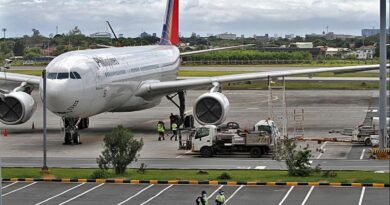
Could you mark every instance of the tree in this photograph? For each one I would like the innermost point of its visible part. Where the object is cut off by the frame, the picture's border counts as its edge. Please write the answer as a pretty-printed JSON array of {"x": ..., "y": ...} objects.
[
  {"x": 35, "y": 32},
  {"x": 120, "y": 149},
  {"x": 297, "y": 161}
]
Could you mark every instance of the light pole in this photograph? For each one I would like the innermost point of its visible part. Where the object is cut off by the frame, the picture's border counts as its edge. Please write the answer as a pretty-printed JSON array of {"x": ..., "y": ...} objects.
[
  {"x": 4, "y": 30},
  {"x": 382, "y": 78},
  {"x": 45, "y": 169}
]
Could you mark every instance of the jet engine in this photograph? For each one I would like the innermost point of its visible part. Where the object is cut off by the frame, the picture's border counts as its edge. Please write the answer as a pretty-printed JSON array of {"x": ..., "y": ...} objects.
[
  {"x": 211, "y": 108},
  {"x": 16, "y": 107}
]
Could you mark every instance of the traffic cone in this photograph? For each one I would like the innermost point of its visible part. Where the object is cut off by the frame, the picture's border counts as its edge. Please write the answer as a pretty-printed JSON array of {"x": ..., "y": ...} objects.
[
  {"x": 33, "y": 126},
  {"x": 5, "y": 133}
]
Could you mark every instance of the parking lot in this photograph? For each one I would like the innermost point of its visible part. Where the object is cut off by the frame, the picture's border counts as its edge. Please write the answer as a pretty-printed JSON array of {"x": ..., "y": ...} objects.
[{"x": 93, "y": 193}]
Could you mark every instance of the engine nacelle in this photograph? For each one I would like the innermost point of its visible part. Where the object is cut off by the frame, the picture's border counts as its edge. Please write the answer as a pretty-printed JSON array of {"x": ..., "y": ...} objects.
[
  {"x": 211, "y": 108},
  {"x": 16, "y": 108}
]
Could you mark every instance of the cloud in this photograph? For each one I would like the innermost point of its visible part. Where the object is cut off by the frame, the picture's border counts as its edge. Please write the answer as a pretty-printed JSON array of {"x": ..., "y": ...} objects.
[{"x": 132, "y": 17}]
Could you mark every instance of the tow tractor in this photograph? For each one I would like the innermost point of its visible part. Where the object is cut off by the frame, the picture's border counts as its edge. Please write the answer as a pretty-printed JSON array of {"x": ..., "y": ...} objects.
[{"x": 210, "y": 139}]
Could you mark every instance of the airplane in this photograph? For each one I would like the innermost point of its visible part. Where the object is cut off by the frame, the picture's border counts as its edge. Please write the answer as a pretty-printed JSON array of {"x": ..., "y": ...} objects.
[{"x": 81, "y": 84}]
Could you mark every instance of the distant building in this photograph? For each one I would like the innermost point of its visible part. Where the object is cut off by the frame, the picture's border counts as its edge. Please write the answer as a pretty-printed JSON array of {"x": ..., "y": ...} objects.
[
  {"x": 363, "y": 53},
  {"x": 372, "y": 32},
  {"x": 331, "y": 36},
  {"x": 227, "y": 36},
  {"x": 101, "y": 35},
  {"x": 261, "y": 38},
  {"x": 121, "y": 35},
  {"x": 154, "y": 35},
  {"x": 302, "y": 45},
  {"x": 144, "y": 35},
  {"x": 289, "y": 36}
]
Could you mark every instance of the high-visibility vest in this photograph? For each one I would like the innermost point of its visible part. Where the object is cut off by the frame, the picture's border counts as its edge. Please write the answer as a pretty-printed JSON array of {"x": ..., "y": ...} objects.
[
  {"x": 220, "y": 198},
  {"x": 174, "y": 126},
  {"x": 160, "y": 127}
]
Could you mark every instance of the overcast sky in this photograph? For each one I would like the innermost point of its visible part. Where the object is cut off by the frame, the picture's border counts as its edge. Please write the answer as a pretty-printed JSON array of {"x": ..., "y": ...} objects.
[{"x": 248, "y": 17}]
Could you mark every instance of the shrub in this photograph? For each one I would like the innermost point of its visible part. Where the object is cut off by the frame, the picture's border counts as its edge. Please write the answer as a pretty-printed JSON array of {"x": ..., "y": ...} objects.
[
  {"x": 297, "y": 161},
  {"x": 120, "y": 149},
  {"x": 224, "y": 176},
  {"x": 100, "y": 174}
]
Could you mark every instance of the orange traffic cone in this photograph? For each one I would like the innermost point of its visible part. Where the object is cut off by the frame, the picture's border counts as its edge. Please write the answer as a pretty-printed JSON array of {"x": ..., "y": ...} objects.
[{"x": 5, "y": 133}]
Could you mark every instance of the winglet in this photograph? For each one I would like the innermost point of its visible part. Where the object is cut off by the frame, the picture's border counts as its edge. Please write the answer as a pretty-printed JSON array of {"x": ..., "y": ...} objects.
[{"x": 170, "y": 32}]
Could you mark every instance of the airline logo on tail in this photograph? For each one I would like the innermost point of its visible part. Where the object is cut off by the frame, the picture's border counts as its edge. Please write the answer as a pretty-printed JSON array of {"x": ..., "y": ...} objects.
[{"x": 170, "y": 33}]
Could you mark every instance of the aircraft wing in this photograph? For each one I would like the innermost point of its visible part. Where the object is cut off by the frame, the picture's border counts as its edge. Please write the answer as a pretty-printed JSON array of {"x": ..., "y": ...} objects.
[
  {"x": 34, "y": 80},
  {"x": 214, "y": 49},
  {"x": 153, "y": 89}
]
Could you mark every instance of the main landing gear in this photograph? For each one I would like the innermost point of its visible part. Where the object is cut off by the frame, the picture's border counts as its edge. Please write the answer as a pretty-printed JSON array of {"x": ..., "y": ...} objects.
[
  {"x": 72, "y": 125},
  {"x": 182, "y": 119}
]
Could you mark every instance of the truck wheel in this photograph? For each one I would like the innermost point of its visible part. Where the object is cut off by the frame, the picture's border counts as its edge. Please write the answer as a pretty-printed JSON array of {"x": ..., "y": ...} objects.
[
  {"x": 255, "y": 152},
  {"x": 367, "y": 142},
  {"x": 206, "y": 152}
]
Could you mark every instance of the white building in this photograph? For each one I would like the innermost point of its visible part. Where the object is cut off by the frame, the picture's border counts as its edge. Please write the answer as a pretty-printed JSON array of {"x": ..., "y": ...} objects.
[
  {"x": 227, "y": 36},
  {"x": 101, "y": 35},
  {"x": 303, "y": 44}
]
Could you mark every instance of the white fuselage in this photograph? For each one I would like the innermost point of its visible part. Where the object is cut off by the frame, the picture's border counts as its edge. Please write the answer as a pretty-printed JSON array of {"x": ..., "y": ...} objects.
[{"x": 89, "y": 82}]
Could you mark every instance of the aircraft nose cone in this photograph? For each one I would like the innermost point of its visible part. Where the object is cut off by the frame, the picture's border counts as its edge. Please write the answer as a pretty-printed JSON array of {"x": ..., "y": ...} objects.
[{"x": 59, "y": 97}]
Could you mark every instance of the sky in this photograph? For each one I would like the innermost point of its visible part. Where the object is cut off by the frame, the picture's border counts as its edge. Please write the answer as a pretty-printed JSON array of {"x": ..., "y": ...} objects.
[{"x": 248, "y": 17}]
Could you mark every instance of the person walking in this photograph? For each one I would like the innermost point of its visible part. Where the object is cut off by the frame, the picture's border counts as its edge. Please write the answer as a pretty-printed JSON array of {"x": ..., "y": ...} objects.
[
  {"x": 220, "y": 199},
  {"x": 160, "y": 130},
  {"x": 174, "y": 131},
  {"x": 202, "y": 199}
]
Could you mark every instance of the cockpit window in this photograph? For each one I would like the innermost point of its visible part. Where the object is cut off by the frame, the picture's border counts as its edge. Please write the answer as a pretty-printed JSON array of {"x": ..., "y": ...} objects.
[
  {"x": 77, "y": 75},
  {"x": 63, "y": 76},
  {"x": 52, "y": 75},
  {"x": 72, "y": 75}
]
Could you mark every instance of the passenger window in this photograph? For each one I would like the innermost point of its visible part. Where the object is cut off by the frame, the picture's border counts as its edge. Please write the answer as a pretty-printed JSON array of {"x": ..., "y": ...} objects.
[
  {"x": 51, "y": 75},
  {"x": 202, "y": 132},
  {"x": 63, "y": 76}
]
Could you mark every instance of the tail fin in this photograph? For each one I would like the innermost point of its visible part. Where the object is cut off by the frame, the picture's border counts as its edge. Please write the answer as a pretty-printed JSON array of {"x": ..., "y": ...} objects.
[{"x": 170, "y": 33}]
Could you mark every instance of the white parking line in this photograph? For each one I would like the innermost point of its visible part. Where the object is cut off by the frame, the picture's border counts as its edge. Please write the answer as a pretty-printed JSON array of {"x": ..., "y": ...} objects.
[
  {"x": 9, "y": 185},
  {"x": 307, "y": 195},
  {"x": 138, "y": 193},
  {"x": 362, "y": 195},
  {"x": 158, "y": 194},
  {"x": 234, "y": 193},
  {"x": 189, "y": 151},
  {"x": 89, "y": 190},
  {"x": 285, "y": 196},
  {"x": 211, "y": 195},
  {"x": 362, "y": 155},
  {"x": 55, "y": 196},
  {"x": 322, "y": 150},
  {"x": 18, "y": 189}
]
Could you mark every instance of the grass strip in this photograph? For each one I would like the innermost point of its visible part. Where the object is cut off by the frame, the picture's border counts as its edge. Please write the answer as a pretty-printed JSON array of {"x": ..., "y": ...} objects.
[{"x": 177, "y": 174}]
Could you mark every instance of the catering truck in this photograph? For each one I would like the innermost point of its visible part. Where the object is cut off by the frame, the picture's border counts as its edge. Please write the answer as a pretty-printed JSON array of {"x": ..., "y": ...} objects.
[{"x": 210, "y": 139}]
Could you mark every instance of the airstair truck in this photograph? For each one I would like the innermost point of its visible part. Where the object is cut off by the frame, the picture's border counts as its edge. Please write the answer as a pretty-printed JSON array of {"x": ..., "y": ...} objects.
[{"x": 209, "y": 140}]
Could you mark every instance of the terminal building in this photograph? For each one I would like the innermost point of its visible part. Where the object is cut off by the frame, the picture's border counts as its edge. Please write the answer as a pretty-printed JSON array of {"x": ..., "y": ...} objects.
[{"x": 100, "y": 35}]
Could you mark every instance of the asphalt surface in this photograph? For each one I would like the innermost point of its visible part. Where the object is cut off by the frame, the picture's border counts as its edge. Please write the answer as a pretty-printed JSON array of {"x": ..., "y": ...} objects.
[
  {"x": 324, "y": 110},
  {"x": 91, "y": 193}
]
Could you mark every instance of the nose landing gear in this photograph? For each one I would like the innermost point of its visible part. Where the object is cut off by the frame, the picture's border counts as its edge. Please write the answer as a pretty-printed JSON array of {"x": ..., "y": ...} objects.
[{"x": 71, "y": 127}]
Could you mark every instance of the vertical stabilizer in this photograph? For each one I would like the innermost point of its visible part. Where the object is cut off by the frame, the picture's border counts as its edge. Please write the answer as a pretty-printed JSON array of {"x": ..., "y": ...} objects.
[{"x": 170, "y": 33}]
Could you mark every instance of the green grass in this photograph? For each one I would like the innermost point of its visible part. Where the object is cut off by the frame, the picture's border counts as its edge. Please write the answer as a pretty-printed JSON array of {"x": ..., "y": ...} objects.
[
  {"x": 201, "y": 73},
  {"x": 305, "y": 86},
  {"x": 174, "y": 174},
  {"x": 27, "y": 72}
]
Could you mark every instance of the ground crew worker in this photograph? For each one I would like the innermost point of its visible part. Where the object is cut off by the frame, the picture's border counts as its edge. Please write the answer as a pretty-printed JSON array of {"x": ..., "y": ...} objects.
[
  {"x": 160, "y": 130},
  {"x": 220, "y": 199},
  {"x": 202, "y": 199},
  {"x": 174, "y": 131}
]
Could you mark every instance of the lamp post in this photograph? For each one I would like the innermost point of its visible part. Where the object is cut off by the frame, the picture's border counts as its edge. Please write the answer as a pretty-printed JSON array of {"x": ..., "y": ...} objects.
[
  {"x": 45, "y": 169},
  {"x": 382, "y": 78},
  {"x": 4, "y": 30}
]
